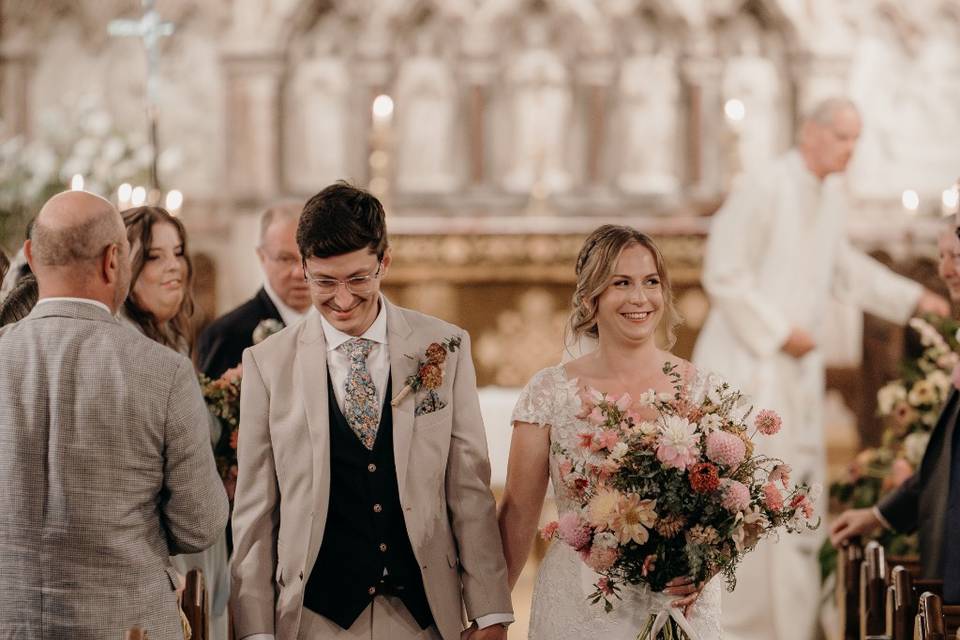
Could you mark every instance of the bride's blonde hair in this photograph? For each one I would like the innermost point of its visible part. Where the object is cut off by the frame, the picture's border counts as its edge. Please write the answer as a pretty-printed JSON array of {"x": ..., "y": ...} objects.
[{"x": 595, "y": 264}]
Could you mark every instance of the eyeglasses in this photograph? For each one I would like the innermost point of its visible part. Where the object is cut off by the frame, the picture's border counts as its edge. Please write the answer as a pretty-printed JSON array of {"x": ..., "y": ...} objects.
[
  {"x": 285, "y": 260},
  {"x": 355, "y": 284}
]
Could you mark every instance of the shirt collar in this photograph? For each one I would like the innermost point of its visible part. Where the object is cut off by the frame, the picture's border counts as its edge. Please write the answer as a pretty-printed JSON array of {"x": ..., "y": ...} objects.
[
  {"x": 289, "y": 315},
  {"x": 377, "y": 332},
  {"x": 95, "y": 303}
]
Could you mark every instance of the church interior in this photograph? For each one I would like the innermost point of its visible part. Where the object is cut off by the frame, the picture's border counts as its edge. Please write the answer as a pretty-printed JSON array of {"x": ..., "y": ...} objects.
[{"x": 498, "y": 134}]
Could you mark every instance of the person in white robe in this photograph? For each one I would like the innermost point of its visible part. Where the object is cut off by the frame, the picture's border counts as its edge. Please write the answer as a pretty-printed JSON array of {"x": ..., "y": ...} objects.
[{"x": 776, "y": 252}]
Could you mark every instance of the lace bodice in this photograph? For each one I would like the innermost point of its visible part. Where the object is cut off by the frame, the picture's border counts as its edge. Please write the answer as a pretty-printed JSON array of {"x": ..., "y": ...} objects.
[{"x": 560, "y": 607}]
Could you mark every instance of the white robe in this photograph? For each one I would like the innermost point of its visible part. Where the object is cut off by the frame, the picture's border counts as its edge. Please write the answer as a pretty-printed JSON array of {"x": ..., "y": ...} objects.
[{"x": 777, "y": 251}]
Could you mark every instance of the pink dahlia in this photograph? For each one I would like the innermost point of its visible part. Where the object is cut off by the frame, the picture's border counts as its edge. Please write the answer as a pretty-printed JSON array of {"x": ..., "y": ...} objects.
[
  {"x": 573, "y": 531},
  {"x": 768, "y": 422},
  {"x": 772, "y": 497},
  {"x": 601, "y": 558},
  {"x": 549, "y": 530},
  {"x": 678, "y": 444},
  {"x": 725, "y": 448},
  {"x": 736, "y": 495}
]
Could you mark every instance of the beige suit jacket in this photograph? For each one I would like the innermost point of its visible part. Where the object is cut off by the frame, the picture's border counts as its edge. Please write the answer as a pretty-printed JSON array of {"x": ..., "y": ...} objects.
[{"x": 443, "y": 475}]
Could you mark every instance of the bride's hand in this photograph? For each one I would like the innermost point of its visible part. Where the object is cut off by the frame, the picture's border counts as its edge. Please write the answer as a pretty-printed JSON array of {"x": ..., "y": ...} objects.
[{"x": 686, "y": 588}]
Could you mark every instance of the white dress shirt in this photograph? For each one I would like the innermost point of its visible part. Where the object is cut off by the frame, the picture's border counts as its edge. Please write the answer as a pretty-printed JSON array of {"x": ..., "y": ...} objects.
[{"x": 289, "y": 315}]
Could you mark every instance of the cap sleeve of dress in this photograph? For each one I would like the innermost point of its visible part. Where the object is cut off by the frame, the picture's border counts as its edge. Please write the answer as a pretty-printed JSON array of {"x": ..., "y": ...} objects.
[{"x": 540, "y": 399}]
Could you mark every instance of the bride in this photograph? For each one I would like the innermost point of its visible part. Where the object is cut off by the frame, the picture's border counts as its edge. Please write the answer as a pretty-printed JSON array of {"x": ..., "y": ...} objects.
[{"x": 623, "y": 295}]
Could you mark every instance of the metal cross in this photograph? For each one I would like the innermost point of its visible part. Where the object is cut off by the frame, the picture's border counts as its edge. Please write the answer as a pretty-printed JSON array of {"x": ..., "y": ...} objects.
[{"x": 149, "y": 28}]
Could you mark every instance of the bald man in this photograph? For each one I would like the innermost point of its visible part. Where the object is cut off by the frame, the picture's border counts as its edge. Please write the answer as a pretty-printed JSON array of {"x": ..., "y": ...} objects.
[
  {"x": 105, "y": 462},
  {"x": 776, "y": 254}
]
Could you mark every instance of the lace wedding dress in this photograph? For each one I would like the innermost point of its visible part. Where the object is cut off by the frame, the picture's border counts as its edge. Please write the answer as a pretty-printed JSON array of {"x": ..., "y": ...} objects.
[{"x": 560, "y": 608}]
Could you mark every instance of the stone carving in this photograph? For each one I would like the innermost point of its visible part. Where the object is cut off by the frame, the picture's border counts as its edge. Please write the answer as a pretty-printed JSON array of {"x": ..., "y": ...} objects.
[
  {"x": 426, "y": 115},
  {"x": 649, "y": 91},
  {"x": 541, "y": 115},
  {"x": 317, "y": 124}
]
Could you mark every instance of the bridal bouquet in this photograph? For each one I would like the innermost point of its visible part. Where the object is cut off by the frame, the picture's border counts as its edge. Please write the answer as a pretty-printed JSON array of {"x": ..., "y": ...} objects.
[
  {"x": 223, "y": 401},
  {"x": 679, "y": 495}
]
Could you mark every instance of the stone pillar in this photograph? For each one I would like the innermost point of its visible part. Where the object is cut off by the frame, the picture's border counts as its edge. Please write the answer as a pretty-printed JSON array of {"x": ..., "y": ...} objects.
[
  {"x": 16, "y": 67},
  {"x": 253, "y": 82},
  {"x": 478, "y": 75},
  {"x": 595, "y": 75},
  {"x": 705, "y": 126}
]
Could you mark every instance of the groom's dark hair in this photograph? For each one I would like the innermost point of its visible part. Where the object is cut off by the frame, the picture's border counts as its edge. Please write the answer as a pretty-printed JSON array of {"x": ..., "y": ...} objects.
[{"x": 341, "y": 219}]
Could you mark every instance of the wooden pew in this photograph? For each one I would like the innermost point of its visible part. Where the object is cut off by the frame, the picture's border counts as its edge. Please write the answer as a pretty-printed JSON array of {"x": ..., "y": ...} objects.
[
  {"x": 195, "y": 606},
  {"x": 903, "y": 599},
  {"x": 848, "y": 589},
  {"x": 935, "y": 620},
  {"x": 873, "y": 591}
]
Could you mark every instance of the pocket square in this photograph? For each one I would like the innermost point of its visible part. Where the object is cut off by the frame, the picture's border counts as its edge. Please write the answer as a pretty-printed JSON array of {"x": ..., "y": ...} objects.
[{"x": 429, "y": 403}]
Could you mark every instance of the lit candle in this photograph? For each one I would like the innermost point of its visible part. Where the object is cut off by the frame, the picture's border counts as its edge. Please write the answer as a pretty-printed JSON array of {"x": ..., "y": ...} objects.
[
  {"x": 911, "y": 201},
  {"x": 138, "y": 196},
  {"x": 76, "y": 182},
  {"x": 174, "y": 201},
  {"x": 124, "y": 192},
  {"x": 735, "y": 111},
  {"x": 950, "y": 202},
  {"x": 382, "y": 110}
]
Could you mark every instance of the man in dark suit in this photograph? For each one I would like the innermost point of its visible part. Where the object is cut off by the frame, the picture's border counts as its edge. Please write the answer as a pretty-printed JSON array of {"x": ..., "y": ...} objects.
[
  {"x": 928, "y": 501},
  {"x": 284, "y": 296}
]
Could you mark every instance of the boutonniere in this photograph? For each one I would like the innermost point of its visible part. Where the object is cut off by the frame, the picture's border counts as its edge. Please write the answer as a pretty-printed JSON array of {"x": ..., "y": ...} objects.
[
  {"x": 429, "y": 374},
  {"x": 265, "y": 329}
]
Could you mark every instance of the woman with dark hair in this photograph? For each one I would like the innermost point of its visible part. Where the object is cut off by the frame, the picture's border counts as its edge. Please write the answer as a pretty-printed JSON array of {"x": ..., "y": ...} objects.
[
  {"x": 160, "y": 305},
  {"x": 623, "y": 307}
]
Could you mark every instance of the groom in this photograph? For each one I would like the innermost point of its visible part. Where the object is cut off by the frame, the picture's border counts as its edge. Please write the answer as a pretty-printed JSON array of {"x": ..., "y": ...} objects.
[{"x": 355, "y": 518}]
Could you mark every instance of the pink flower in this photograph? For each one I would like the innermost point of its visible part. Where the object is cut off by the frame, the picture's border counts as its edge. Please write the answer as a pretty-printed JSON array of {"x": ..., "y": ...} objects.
[
  {"x": 802, "y": 503},
  {"x": 605, "y": 440},
  {"x": 768, "y": 422},
  {"x": 586, "y": 439},
  {"x": 677, "y": 446},
  {"x": 735, "y": 495},
  {"x": 725, "y": 448},
  {"x": 900, "y": 470},
  {"x": 624, "y": 402},
  {"x": 596, "y": 417},
  {"x": 601, "y": 558},
  {"x": 771, "y": 497},
  {"x": 649, "y": 563},
  {"x": 781, "y": 474},
  {"x": 603, "y": 584},
  {"x": 573, "y": 531},
  {"x": 549, "y": 530},
  {"x": 565, "y": 467}
]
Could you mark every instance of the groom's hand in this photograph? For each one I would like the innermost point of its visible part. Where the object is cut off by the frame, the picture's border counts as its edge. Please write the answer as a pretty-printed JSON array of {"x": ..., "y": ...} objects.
[{"x": 493, "y": 632}]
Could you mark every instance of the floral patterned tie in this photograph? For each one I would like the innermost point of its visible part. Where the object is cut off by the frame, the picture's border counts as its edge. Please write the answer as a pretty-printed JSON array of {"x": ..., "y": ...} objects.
[{"x": 360, "y": 402}]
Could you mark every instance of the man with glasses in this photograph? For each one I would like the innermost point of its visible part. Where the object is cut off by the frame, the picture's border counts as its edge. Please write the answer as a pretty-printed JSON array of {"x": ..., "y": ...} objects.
[
  {"x": 284, "y": 296},
  {"x": 362, "y": 512}
]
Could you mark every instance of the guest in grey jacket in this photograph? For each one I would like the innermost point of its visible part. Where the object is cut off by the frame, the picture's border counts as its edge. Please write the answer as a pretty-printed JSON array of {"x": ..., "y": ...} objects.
[{"x": 105, "y": 462}]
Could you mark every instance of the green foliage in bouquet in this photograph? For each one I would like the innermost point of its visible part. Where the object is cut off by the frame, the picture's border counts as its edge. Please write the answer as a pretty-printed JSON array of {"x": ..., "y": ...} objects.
[{"x": 909, "y": 407}]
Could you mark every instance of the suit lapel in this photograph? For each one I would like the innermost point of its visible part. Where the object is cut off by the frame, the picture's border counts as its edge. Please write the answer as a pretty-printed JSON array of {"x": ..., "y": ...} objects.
[
  {"x": 312, "y": 383},
  {"x": 400, "y": 345}
]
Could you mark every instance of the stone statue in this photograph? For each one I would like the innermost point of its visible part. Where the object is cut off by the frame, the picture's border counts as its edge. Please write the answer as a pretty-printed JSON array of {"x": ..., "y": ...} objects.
[
  {"x": 753, "y": 79},
  {"x": 426, "y": 112},
  {"x": 541, "y": 116},
  {"x": 649, "y": 91},
  {"x": 317, "y": 125}
]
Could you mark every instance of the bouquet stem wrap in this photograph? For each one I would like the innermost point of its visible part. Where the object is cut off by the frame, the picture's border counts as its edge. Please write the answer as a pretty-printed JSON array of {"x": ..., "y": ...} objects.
[{"x": 665, "y": 618}]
